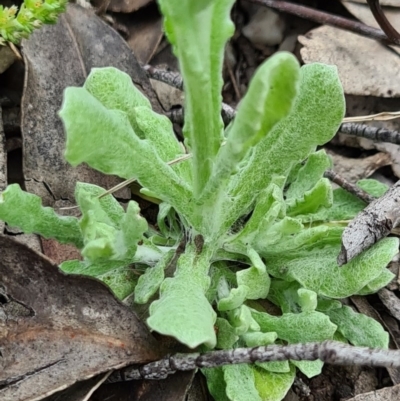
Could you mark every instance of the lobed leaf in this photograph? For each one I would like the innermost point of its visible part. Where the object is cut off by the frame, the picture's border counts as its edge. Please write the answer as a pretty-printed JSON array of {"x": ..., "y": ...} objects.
[
  {"x": 106, "y": 141},
  {"x": 314, "y": 265},
  {"x": 273, "y": 386},
  {"x": 183, "y": 304},
  {"x": 31, "y": 217},
  {"x": 359, "y": 329},
  {"x": 297, "y": 327},
  {"x": 108, "y": 231}
]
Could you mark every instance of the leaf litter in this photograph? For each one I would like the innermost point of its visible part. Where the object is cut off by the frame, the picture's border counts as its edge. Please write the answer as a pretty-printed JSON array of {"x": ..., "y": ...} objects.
[{"x": 382, "y": 2}]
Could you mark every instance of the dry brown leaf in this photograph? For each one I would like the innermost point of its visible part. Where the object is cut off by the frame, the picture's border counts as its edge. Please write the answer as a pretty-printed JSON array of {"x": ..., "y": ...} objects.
[
  {"x": 145, "y": 31},
  {"x": 385, "y": 394},
  {"x": 362, "y": 105},
  {"x": 359, "y": 71},
  {"x": 355, "y": 169},
  {"x": 81, "y": 391},
  {"x": 127, "y": 6},
  {"x": 174, "y": 388},
  {"x": 57, "y": 329},
  {"x": 56, "y": 57}
]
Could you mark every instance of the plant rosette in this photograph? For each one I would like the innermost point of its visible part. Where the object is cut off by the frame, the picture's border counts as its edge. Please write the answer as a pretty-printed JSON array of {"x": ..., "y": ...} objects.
[{"x": 248, "y": 218}]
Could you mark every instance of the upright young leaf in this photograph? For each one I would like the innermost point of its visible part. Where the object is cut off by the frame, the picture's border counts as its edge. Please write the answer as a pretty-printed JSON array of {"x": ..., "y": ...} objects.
[
  {"x": 198, "y": 31},
  {"x": 268, "y": 99},
  {"x": 316, "y": 114}
]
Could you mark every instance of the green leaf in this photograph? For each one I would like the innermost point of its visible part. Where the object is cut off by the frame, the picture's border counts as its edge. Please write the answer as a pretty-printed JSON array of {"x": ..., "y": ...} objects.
[
  {"x": 109, "y": 232},
  {"x": 307, "y": 176},
  {"x": 226, "y": 334},
  {"x": 345, "y": 206},
  {"x": 269, "y": 205},
  {"x": 183, "y": 304},
  {"x": 309, "y": 368},
  {"x": 25, "y": 211},
  {"x": 275, "y": 366},
  {"x": 315, "y": 116},
  {"x": 377, "y": 283},
  {"x": 235, "y": 299},
  {"x": 307, "y": 300},
  {"x": 256, "y": 339},
  {"x": 297, "y": 327},
  {"x": 119, "y": 276},
  {"x": 285, "y": 295},
  {"x": 242, "y": 319},
  {"x": 373, "y": 187},
  {"x": 216, "y": 383},
  {"x": 314, "y": 265},
  {"x": 268, "y": 99},
  {"x": 272, "y": 386},
  {"x": 256, "y": 282},
  {"x": 359, "y": 329},
  {"x": 90, "y": 125},
  {"x": 149, "y": 283},
  {"x": 198, "y": 32},
  {"x": 311, "y": 201},
  {"x": 115, "y": 90},
  {"x": 240, "y": 383}
]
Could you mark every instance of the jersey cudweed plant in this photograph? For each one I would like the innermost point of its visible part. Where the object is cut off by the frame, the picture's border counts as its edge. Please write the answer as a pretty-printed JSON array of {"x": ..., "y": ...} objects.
[{"x": 248, "y": 218}]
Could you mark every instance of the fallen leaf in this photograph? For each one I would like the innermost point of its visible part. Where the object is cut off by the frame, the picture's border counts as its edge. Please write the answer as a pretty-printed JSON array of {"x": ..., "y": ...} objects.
[
  {"x": 127, "y": 6},
  {"x": 385, "y": 394},
  {"x": 364, "y": 14},
  {"x": 359, "y": 73},
  {"x": 57, "y": 329},
  {"x": 353, "y": 169},
  {"x": 145, "y": 31},
  {"x": 174, "y": 388},
  {"x": 58, "y": 56}
]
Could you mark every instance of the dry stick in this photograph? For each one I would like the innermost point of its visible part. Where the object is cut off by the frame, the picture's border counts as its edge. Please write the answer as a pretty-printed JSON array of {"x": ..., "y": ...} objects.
[
  {"x": 322, "y": 17},
  {"x": 383, "y": 22},
  {"x": 228, "y": 113},
  {"x": 353, "y": 189},
  {"x": 332, "y": 352},
  {"x": 374, "y": 133}
]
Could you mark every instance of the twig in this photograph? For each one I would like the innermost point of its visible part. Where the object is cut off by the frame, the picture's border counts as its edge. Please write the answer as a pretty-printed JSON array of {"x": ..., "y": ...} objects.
[
  {"x": 169, "y": 77},
  {"x": 383, "y": 22},
  {"x": 327, "y": 19},
  {"x": 331, "y": 352},
  {"x": 353, "y": 189},
  {"x": 228, "y": 113},
  {"x": 374, "y": 133}
]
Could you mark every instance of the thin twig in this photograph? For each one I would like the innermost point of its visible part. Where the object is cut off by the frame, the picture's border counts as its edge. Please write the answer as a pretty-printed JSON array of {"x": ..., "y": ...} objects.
[
  {"x": 339, "y": 180},
  {"x": 228, "y": 113},
  {"x": 384, "y": 116},
  {"x": 369, "y": 132},
  {"x": 383, "y": 22},
  {"x": 332, "y": 352},
  {"x": 322, "y": 17}
]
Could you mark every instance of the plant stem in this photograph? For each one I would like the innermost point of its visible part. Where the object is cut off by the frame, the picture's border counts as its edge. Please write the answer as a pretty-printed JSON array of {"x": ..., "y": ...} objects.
[{"x": 332, "y": 352}]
